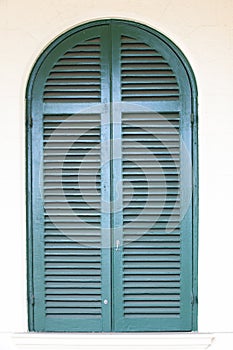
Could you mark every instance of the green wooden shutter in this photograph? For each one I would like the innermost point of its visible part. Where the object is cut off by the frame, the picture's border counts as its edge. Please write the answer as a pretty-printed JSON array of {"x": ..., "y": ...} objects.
[
  {"x": 111, "y": 183},
  {"x": 71, "y": 187},
  {"x": 153, "y": 222}
]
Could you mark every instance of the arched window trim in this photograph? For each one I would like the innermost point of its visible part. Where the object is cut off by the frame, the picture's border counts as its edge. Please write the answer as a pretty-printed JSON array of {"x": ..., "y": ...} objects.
[{"x": 194, "y": 118}]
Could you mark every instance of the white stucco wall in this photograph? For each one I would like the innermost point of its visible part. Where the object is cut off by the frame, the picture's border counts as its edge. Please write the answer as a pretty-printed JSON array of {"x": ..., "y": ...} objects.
[{"x": 203, "y": 30}]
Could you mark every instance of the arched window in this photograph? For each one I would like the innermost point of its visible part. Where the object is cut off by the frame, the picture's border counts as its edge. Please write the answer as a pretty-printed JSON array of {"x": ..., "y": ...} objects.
[{"x": 112, "y": 177}]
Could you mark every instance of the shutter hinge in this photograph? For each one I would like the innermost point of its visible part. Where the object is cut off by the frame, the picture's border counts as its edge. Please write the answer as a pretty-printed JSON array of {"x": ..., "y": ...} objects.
[
  {"x": 31, "y": 122},
  {"x": 192, "y": 118},
  {"x": 32, "y": 299},
  {"x": 194, "y": 299}
]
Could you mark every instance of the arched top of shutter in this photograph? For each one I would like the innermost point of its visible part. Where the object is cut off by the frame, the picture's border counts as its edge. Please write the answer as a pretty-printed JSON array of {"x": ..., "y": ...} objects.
[{"x": 83, "y": 62}]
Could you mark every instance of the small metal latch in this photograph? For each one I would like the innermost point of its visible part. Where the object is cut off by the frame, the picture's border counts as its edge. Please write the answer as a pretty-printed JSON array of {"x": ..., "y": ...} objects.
[
  {"x": 105, "y": 301},
  {"x": 117, "y": 244}
]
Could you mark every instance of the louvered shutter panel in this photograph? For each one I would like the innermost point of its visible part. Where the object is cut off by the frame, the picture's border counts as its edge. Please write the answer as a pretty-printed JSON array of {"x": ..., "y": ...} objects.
[
  {"x": 71, "y": 228},
  {"x": 153, "y": 237},
  {"x": 111, "y": 183}
]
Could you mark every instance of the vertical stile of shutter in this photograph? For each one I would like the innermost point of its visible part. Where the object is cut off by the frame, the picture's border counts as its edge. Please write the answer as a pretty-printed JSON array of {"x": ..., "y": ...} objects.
[
  {"x": 116, "y": 152},
  {"x": 149, "y": 265},
  {"x": 72, "y": 179}
]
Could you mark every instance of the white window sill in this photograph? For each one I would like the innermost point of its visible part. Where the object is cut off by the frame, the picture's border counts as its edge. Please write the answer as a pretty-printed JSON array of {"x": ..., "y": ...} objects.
[{"x": 121, "y": 341}]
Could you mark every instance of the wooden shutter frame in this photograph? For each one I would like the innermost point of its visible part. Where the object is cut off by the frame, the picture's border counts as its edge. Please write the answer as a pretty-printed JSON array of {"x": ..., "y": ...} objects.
[{"x": 29, "y": 122}]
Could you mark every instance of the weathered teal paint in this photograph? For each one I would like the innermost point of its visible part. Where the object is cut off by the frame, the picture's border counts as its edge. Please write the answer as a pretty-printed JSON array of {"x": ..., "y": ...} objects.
[
  {"x": 112, "y": 258},
  {"x": 30, "y": 291}
]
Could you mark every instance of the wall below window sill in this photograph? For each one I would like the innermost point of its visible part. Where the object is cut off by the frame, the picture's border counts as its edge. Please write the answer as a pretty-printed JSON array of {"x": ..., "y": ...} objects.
[{"x": 121, "y": 341}]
